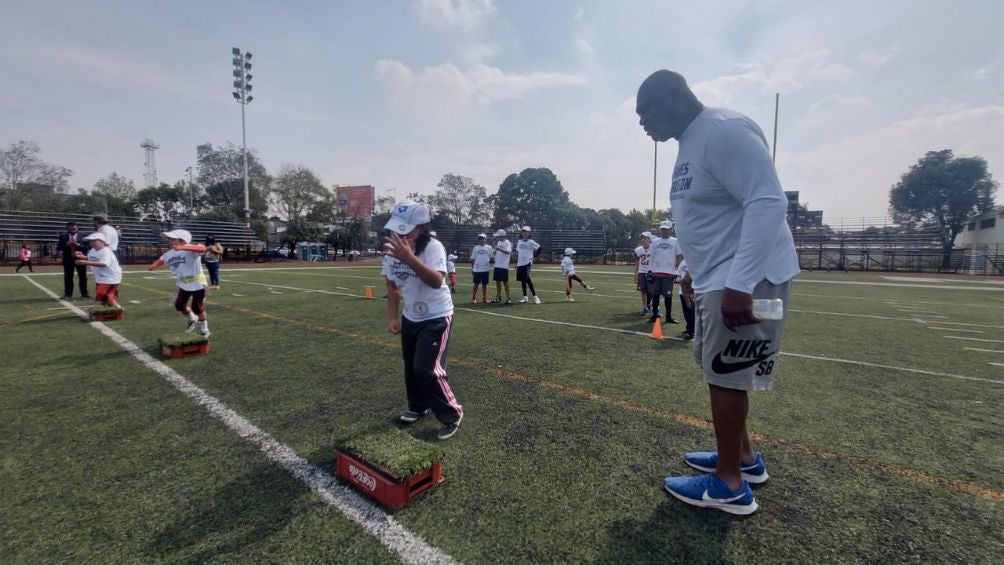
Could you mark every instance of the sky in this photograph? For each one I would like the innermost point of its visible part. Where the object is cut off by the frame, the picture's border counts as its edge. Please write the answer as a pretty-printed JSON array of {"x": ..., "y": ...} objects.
[{"x": 396, "y": 93}]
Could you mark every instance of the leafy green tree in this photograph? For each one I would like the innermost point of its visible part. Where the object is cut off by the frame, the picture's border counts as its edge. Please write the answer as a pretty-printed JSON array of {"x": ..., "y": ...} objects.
[
  {"x": 461, "y": 200},
  {"x": 534, "y": 197},
  {"x": 221, "y": 172},
  {"x": 943, "y": 190},
  {"x": 296, "y": 192},
  {"x": 28, "y": 181},
  {"x": 117, "y": 193},
  {"x": 164, "y": 202}
]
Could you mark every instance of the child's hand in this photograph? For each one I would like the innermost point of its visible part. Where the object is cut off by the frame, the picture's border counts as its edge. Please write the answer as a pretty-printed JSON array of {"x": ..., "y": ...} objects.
[
  {"x": 394, "y": 326},
  {"x": 398, "y": 247},
  {"x": 79, "y": 255}
]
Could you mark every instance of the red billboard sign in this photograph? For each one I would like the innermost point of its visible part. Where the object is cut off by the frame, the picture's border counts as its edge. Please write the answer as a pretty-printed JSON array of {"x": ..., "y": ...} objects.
[{"x": 355, "y": 200}]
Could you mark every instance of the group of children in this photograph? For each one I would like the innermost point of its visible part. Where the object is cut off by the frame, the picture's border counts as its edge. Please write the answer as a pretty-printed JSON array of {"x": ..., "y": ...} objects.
[
  {"x": 659, "y": 264},
  {"x": 183, "y": 259}
]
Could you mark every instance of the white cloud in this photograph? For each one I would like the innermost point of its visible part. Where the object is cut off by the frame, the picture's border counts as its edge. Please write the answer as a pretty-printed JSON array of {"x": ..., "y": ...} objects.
[
  {"x": 582, "y": 47},
  {"x": 832, "y": 71},
  {"x": 785, "y": 74},
  {"x": 465, "y": 14},
  {"x": 979, "y": 74},
  {"x": 579, "y": 13},
  {"x": 480, "y": 52},
  {"x": 829, "y": 104},
  {"x": 878, "y": 58},
  {"x": 480, "y": 83}
]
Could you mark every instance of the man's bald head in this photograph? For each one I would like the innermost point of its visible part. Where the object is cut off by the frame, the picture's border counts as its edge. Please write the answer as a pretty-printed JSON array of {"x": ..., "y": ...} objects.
[{"x": 666, "y": 105}]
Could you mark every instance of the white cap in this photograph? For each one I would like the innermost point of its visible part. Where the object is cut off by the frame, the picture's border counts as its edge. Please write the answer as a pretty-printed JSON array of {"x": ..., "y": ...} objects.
[
  {"x": 96, "y": 235},
  {"x": 500, "y": 233},
  {"x": 525, "y": 228},
  {"x": 451, "y": 257},
  {"x": 179, "y": 234},
  {"x": 480, "y": 235},
  {"x": 647, "y": 234},
  {"x": 666, "y": 225},
  {"x": 569, "y": 251},
  {"x": 406, "y": 215},
  {"x": 433, "y": 233}
]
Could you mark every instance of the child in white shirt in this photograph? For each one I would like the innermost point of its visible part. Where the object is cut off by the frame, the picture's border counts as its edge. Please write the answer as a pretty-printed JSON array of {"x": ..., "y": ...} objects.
[
  {"x": 569, "y": 269},
  {"x": 185, "y": 261}
]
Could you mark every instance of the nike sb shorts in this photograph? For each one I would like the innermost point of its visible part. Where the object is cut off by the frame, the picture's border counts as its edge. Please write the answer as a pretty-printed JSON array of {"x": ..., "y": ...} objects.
[{"x": 746, "y": 359}]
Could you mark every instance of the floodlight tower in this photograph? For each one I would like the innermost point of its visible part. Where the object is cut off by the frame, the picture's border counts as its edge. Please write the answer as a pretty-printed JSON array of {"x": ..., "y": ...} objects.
[
  {"x": 242, "y": 89},
  {"x": 150, "y": 176}
]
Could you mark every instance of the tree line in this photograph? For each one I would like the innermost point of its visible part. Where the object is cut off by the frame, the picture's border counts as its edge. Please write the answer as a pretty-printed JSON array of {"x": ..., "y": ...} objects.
[{"x": 940, "y": 190}]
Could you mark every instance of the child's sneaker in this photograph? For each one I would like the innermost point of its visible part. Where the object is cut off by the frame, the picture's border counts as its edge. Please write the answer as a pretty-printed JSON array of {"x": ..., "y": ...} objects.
[
  {"x": 645, "y": 311},
  {"x": 448, "y": 430},
  {"x": 590, "y": 288},
  {"x": 569, "y": 299},
  {"x": 536, "y": 300},
  {"x": 754, "y": 473},
  {"x": 524, "y": 300},
  {"x": 411, "y": 416},
  {"x": 508, "y": 302},
  {"x": 708, "y": 491},
  {"x": 475, "y": 301},
  {"x": 192, "y": 324}
]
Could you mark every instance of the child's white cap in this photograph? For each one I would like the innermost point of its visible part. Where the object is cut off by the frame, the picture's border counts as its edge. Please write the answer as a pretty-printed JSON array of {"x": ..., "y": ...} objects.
[
  {"x": 500, "y": 233},
  {"x": 406, "y": 215},
  {"x": 98, "y": 236},
  {"x": 569, "y": 251},
  {"x": 433, "y": 233},
  {"x": 666, "y": 225},
  {"x": 183, "y": 235},
  {"x": 480, "y": 235},
  {"x": 525, "y": 228},
  {"x": 647, "y": 234},
  {"x": 451, "y": 257}
]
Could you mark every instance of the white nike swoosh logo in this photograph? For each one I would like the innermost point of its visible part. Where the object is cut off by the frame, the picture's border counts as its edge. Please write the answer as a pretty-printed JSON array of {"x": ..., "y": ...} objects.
[{"x": 707, "y": 498}]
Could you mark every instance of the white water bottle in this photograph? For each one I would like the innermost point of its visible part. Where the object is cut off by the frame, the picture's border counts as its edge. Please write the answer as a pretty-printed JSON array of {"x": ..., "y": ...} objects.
[{"x": 768, "y": 308}]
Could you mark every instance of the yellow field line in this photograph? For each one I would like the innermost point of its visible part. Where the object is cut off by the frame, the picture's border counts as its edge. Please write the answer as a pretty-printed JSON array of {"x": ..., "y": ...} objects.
[{"x": 861, "y": 462}]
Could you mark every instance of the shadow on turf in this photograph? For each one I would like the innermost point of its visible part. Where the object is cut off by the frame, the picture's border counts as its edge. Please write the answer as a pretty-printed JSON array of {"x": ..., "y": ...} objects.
[
  {"x": 674, "y": 533},
  {"x": 225, "y": 523}
]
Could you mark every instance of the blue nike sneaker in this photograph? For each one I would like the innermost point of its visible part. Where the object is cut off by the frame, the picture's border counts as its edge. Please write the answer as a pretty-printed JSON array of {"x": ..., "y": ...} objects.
[
  {"x": 707, "y": 461},
  {"x": 708, "y": 491}
]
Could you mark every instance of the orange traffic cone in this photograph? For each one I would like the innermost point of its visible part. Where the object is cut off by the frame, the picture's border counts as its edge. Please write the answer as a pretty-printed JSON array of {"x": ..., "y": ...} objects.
[
  {"x": 657, "y": 330},
  {"x": 369, "y": 292}
]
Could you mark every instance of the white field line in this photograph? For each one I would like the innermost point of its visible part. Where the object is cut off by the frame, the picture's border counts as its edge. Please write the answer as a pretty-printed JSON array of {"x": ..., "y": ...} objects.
[
  {"x": 932, "y": 316},
  {"x": 408, "y": 546},
  {"x": 997, "y": 364},
  {"x": 984, "y": 350},
  {"x": 974, "y": 339},
  {"x": 71, "y": 307},
  {"x": 886, "y": 300},
  {"x": 800, "y": 355},
  {"x": 955, "y": 330},
  {"x": 902, "y": 285}
]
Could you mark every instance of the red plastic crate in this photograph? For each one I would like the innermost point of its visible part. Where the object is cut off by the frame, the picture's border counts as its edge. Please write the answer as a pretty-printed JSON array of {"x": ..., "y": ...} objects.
[
  {"x": 105, "y": 316},
  {"x": 386, "y": 490},
  {"x": 184, "y": 350}
]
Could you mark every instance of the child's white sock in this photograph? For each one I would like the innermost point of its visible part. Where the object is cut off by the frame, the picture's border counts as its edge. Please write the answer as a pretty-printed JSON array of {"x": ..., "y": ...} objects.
[
  {"x": 192, "y": 317},
  {"x": 204, "y": 325}
]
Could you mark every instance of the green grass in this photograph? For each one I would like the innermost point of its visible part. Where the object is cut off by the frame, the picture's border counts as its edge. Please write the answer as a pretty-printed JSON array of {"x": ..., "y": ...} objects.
[
  {"x": 568, "y": 431},
  {"x": 394, "y": 451},
  {"x": 181, "y": 339}
]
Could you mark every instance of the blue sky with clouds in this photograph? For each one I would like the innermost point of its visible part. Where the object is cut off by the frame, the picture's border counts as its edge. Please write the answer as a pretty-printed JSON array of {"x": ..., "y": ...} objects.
[{"x": 395, "y": 93}]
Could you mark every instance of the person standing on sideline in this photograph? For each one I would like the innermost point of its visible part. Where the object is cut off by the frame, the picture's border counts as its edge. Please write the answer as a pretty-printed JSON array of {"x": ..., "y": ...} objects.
[
  {"x": 481, "y": 256},
  {"x": 568, "y": 267},
  {"x": 451, "y": 272},
  {"x": 111, "y": 235},
  {"x": 106, "y": 269},
  {"x": 730, "y": 211},
  {"x": 68, "y": 244},
  {"x": 503, "y": 251},
  {"x": 664, "y": 256},
  {"x": 186, "y": 265},
  {"x": 526, "y": 250},
  {"x": 419, "y": 273},
  {"x": 686, "y": 303},
  {"x": 641, "y": 271},
  {"x": 25, "y": 259},
  {"x": 213, "y": 256}
]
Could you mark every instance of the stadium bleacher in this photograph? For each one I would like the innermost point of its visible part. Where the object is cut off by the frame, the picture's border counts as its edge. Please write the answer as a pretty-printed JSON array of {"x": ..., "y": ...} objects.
[{"x": 140, "y": 239}]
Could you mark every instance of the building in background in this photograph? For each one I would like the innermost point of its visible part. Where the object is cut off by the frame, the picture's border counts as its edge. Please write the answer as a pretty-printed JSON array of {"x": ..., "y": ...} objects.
[
  {"x": 355, "y": 201},
  {"x": 798, "y": 214},
  {"x": 984, "y": 229}
]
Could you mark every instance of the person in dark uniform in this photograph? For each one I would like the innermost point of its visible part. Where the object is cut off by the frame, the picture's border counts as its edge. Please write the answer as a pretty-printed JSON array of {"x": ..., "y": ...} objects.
[{"x": 69, "y": 243}]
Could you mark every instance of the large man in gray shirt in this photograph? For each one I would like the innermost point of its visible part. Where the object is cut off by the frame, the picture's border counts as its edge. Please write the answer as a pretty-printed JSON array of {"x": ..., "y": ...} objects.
[{"x": 730, "y": 223}]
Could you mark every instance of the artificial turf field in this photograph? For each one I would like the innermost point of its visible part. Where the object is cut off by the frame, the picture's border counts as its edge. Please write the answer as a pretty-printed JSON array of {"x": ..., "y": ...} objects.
[{"x": 883, "y": 434}]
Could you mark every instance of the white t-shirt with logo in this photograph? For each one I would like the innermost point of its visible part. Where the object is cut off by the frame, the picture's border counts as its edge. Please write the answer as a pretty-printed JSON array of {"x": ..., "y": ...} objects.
[
  {"x": 451, "y": 267},
  {"x": 567, "y": 266},
  {"x": 524, "y": 251},
  {"x": 662, "y": 255},
  {"x": 729, "y": 206},
  {"x": 642, "y": 254},
  {"x": 421, "y": 301},
  {"x": 186, "y": 266},
  {"x": 385, "y": 267},
  {"x": 502, "y": 259},
  {"x": 111, "y": 273},
  {"x": 111, "y": 236},
  {"x": 481, "y": 255}
]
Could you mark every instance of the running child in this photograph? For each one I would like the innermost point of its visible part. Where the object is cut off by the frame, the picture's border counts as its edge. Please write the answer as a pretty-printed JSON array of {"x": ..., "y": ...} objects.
[
  {"x": 25, "y": 259},
  {"x": 481, "y": 256},
  {"x": 106, "y": 269},
  {"x": 418, "y": 272},
  {"x": 185, "y": 261},
  {"x": 641, "y": 271},
  {"x": 568, "y": 268},
  {"x": 451, "y": 272}
]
